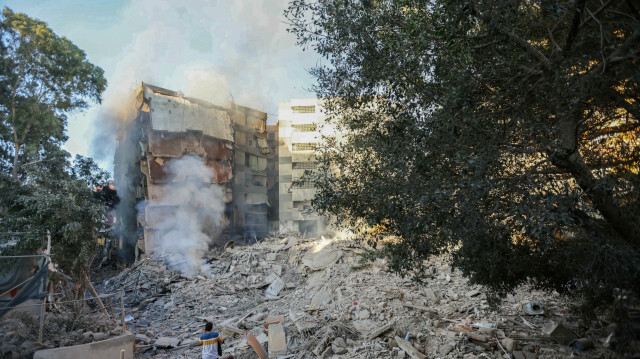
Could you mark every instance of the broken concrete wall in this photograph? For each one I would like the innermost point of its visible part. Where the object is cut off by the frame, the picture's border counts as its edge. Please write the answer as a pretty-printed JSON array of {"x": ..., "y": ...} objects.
[
  {"x": 110, "y": 348},
  {"x": 250, "y": 172},
  {"x": 231, "y": 141}
]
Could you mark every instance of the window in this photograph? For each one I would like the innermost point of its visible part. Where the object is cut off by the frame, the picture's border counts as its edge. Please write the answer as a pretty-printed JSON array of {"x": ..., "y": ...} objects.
[
  {"x": 304, "y": 165},
  {"x": 301, "y": 185},
  {"x": 257, "y": 164},
  {"x": 307, "y": 146},
  {"x": 303, "y": 109},
  {"x": 305, "y": 128}
]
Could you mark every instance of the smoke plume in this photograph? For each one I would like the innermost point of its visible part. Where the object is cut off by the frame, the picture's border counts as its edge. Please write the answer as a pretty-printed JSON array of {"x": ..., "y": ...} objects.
[{"x": 197, "y": 212}]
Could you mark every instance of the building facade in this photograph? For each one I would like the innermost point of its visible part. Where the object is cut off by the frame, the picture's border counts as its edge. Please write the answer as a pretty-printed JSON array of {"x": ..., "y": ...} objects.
[
  {"x": 301, "y": 125},
  {"x": 230, "y": 140}
]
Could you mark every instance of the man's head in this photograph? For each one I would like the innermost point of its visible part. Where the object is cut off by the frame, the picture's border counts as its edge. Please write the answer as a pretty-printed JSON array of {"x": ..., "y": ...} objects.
[{"x": 208, "y": 327}]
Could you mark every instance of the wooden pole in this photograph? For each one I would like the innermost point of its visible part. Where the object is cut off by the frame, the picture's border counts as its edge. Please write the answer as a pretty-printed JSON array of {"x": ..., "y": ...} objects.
[
  {"x": 44, "y": 302},
  {"x": 95, "y": 294},
  {"x": 124, "y": 324}
]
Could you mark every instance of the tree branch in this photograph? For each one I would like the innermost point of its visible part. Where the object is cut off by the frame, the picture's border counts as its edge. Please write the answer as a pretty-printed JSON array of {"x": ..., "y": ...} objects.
[
  {"x": 575, "y": 24},
  {"x": 532, "y": 51}
]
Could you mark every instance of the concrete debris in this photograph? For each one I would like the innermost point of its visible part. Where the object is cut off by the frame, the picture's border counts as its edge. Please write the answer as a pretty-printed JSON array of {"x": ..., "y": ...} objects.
[
  {"x": 534, "y": 308},
  {"x": 314, "y": 299},
  {"x": 166, "y": 342},
  {"x": 560, "y": 333},
  {"x": 320, "y": 299},
  {"x": 339, "y": 346},
  {"x": 277, "y": 340},
  {"x": 317, "y": 260},
  {"x": 274, "y": 288}
]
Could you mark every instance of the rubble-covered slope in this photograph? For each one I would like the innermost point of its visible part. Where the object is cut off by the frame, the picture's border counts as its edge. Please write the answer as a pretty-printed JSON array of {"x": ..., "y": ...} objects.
[{"x": 318, "y": 300}]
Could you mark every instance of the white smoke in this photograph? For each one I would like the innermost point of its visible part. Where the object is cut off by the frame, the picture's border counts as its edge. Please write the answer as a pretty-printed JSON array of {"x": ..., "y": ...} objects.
[
  {"x": 221, "y": 52},
  {"x": 197, "y": 208}
]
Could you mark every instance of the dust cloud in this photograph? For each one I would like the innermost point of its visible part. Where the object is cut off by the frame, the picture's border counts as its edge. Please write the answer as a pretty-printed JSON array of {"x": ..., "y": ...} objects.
[{"x": 197, "y": 214}]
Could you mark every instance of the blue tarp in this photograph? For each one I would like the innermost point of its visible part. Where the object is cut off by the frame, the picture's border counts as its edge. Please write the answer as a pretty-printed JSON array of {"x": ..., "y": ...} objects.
[{"x": 34, "y": 272}]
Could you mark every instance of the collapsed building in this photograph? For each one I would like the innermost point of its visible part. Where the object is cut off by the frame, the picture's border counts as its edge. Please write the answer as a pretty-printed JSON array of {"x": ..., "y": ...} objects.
[{"x": 230, "y": 140}]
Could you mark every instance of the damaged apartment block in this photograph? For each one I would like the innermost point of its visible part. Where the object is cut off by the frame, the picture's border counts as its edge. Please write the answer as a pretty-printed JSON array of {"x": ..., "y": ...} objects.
[{"x": 232, "y": 141}]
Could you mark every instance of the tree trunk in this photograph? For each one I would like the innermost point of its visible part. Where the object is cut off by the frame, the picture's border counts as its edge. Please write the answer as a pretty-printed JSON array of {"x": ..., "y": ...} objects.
[
  {"x": 570, "y": 160},
  {"x": 16, "y": 153}
]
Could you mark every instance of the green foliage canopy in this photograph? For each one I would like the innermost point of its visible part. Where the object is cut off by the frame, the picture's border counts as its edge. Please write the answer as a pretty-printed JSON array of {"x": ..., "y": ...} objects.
[
  {"x": 503, "y": 132},
  {"x": 47, "y": 77}
]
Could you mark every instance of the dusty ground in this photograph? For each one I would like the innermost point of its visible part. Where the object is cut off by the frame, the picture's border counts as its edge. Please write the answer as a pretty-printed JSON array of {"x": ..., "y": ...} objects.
[{"x": 331, "y": 306}]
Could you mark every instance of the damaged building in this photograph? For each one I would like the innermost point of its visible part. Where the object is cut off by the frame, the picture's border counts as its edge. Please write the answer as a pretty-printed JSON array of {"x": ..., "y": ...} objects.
[{"x": 230, "y": 140}]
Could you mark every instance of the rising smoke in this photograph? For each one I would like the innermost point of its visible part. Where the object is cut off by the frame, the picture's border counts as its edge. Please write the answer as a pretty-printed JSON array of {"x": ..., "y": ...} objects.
[
  {"x": 221, "y": 52},
  {"x": 197, "y": 213}
]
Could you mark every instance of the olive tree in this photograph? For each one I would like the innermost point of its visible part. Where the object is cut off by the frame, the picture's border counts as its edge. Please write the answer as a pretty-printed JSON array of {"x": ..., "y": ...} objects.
[{"x": 502, "y": 132}]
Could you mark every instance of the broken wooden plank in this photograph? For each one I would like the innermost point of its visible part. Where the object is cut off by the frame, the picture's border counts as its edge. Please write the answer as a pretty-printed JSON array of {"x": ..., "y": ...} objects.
[
  {"x": 409, "y": 349},
  {"x": 376, "y": 333}
]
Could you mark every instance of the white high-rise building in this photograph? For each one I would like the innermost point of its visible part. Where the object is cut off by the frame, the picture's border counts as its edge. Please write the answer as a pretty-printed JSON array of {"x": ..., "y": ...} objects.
[{"x": 301, "y": 124}]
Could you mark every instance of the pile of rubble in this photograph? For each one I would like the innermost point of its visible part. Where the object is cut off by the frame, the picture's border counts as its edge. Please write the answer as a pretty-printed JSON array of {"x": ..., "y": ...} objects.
[{"x": 305, "y": 298}]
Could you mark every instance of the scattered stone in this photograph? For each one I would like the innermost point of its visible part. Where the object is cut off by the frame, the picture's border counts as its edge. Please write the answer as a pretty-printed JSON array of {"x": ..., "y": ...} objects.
[
  {"x": 327, "y": 353},
  {"x": 99, "y": 336},
  {"x": 166, "y": 342},
  {"x": 430, "y": 295},
  {"x": 142, "y": 338},
  {"x": 508, "y": 344},
  {"x": 339, "y": 346},
  {"x": 364, "y": 314},
  {"x": 446, "y": 349},
  {"x": 472, "y": 293},
  {"x": 271, "y": 256}
]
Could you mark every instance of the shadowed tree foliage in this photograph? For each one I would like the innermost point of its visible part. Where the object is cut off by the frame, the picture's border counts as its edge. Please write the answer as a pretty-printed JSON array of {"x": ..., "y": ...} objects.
[{"x": 502, "y": 132}]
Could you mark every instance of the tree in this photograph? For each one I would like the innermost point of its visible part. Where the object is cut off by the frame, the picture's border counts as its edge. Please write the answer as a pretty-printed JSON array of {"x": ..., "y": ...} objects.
[
  {"x": 502, "y": 132},
  {"x": 62, "y": 204},
  {"x": 47, "y": 77}
]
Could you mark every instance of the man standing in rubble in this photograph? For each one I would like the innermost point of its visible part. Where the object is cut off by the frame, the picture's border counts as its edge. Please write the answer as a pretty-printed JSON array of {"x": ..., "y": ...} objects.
[{"x": 211, "y": 342}]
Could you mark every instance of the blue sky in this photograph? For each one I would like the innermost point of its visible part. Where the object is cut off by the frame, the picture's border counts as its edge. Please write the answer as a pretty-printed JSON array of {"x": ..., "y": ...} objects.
[{"x": 213, "y": 50}]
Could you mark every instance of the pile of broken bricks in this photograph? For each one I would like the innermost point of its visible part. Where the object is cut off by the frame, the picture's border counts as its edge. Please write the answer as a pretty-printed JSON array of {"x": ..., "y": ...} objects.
[{"x": 297, "y": 297}]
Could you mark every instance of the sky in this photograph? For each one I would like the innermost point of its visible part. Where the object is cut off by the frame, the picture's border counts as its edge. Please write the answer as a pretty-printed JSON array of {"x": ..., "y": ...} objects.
[{"x": 213, "y": 50}]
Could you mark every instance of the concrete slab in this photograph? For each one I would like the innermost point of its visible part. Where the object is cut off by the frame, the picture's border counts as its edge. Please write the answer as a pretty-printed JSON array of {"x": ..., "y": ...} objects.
[{"x": 109, "y": 348}]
